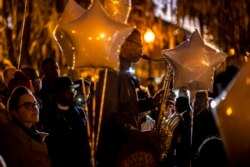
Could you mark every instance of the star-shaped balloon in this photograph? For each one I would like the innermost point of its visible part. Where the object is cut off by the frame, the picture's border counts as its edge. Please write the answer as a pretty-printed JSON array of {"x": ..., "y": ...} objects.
[
  {"x": 71, "y": 12},
  {"x": 194, "y": 63},
  {"x": 96, "y": 38},
  {"x": 231, "y": 110}
]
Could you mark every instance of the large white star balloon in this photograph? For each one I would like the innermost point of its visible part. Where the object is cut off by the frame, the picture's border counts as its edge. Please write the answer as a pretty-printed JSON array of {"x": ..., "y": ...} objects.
[
  {"x": 231, "y": 110},
  {"x": 71, "y": 12},
  {"x": 96, "y": 38},
  {"x": 194, "y": 63}
]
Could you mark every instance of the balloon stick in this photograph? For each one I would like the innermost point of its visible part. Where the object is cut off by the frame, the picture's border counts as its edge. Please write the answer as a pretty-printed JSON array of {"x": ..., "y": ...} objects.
[{"x": 22, "y": 30}]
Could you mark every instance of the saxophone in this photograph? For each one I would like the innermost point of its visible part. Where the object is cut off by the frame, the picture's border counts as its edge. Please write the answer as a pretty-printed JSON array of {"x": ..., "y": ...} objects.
[{"x": 166, "y": 122}]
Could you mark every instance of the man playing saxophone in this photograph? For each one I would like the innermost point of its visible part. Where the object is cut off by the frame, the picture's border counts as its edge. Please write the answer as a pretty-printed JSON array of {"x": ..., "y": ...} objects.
[{"x": 122, "y": 128}]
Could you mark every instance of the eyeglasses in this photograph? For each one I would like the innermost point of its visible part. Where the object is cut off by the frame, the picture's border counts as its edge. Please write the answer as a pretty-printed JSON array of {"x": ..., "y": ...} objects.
[{"x": 30, "y": 105}]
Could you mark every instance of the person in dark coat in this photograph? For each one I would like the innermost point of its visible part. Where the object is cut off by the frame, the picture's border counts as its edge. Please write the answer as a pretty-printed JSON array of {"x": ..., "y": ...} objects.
[
  {"x": 204, "y": 124},
  {"x": 67, "y": 126},
  {"x": 50, "y": 70},
  {"x": 21, "y": 144}
]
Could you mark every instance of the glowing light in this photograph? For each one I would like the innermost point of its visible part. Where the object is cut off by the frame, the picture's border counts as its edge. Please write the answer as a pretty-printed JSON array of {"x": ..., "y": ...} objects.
[
  {"x": 102, "y": 35},
  {"x": 163, "y": 10},
  {"x": 80, "y": 99},
  {"x": 94, "y": 77},
  {"x": 73, "y": 62},
  {"x": 158, "y": 80},
  {"x": 213, "y": 104},
  {"x": 231, "y": 52},
  {"x": 149, "y": 36},
  {"x": 90, "y": 38},
  {"x": 73, "y": 31},
  {"x": 131, "y": 70},
  {"x": 229, "y": 111}
]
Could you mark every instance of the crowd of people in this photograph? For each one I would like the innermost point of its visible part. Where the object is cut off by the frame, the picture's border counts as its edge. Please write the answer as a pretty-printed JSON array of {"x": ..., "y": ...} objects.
[{"x": 42, "y": 123}]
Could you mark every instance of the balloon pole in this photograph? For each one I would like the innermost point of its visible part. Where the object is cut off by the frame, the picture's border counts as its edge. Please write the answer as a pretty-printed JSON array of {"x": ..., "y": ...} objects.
[
  {"x": 86, "y": 109},
  {"x": 101, "y": 107},
  {"x": 22, "y": 30},
  {"x": 93, "y": 127},
  {"x": 192, "y": 99}
]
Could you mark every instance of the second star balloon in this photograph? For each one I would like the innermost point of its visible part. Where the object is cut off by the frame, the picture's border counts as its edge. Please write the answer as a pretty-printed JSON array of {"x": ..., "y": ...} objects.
[
  {"x": 97, "y": 38},
  {"x": 231, "y": 110},
  {"x": 194, "y": 63}
]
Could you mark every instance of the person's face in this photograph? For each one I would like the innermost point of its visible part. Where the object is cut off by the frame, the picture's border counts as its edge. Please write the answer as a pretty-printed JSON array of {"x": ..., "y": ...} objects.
[
  {"x": 132, "y": 48},
  {"x": 28, "y": 110},
  {"x": 68, "y": 96},
  {"x": 201, "y": 102}
]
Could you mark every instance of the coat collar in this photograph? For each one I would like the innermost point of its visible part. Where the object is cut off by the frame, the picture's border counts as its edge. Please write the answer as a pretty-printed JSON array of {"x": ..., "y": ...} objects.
[{"x": 16, "y": 132}]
